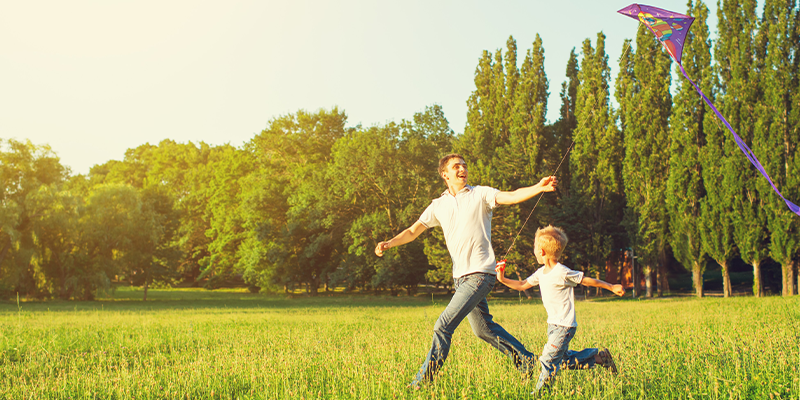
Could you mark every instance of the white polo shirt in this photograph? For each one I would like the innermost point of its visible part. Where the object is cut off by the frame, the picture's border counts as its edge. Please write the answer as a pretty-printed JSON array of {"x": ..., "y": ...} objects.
[
  {"x": 466, "y": 220},
  {"x": 558, "y": 296}
]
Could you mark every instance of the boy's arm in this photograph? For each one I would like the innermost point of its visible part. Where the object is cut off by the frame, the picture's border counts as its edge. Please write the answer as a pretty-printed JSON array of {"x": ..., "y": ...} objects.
[
  {"x": 402, "y": 238},
  {"x": 513, "y": 284},
  {"x": 547, "y": 184},
  {"x": 616, "y": 289}
]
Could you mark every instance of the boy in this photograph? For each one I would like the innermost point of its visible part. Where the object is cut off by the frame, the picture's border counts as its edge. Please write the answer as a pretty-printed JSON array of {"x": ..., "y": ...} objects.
[{"x": 556, "y": 283}]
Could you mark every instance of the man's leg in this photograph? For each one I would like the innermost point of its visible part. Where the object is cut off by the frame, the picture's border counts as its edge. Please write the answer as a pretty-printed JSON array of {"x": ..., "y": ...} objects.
[
  {"x": 558, "y": 338},
  {"x": 485, "y": 328},
  {"x": 470, "y": 290}
]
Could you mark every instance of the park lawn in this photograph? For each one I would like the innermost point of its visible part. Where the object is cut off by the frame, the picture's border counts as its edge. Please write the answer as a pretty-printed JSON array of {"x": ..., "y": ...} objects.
[{"x": 192, "y": 343}]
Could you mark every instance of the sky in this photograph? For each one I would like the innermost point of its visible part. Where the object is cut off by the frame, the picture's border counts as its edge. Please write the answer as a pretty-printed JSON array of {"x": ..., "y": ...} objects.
[{"x": 92, "y": 79}]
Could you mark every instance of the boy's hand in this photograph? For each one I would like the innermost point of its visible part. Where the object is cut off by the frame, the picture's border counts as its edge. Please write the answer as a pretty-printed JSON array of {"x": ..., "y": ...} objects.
[
  {"x": 618, "y": 290},
  {"x": 380, "y": 248},
  {"x": 500, "y": 269}
]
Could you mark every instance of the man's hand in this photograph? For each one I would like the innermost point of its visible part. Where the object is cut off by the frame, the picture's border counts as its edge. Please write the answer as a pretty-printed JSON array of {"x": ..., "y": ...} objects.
[
  {"x": 618, "y": 290},
  {"x": 380, "y": 248},
  {"x": 548, "y": 184}
]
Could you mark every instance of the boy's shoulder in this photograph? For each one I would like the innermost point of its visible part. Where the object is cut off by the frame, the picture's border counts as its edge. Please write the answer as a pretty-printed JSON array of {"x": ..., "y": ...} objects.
[
  {"x": 558, "y": 272},
  {"x": 562, "y": 267}
]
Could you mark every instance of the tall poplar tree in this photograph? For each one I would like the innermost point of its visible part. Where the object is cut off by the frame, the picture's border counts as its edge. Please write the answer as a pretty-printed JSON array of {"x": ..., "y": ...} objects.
[
  {"x": 685, "y": 184},
  {"x": 521, "y": 161},
  {"x": 776, "y": 144},
  {"x": 646, "y": 165},
  {"x": 595, "y": 163},
  {"x": 716, "y": 222},
  {"x": 625, "y": 92},
  {"x": 561, "y": 131},
  {"x": 740, "y": 53},
  {"x": 793, "y": 158}
]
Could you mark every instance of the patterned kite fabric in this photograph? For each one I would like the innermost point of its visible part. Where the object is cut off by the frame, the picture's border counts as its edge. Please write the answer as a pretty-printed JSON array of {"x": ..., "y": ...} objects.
[{"x": 671, "y": 28}]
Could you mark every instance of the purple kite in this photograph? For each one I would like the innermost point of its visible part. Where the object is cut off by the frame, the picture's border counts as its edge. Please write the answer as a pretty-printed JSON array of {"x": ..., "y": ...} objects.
[{"x": 671, "y": 29}]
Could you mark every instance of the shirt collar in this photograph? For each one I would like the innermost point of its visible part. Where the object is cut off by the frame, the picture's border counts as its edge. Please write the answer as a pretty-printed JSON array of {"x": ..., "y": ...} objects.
[{"x": 466, "y": 188}]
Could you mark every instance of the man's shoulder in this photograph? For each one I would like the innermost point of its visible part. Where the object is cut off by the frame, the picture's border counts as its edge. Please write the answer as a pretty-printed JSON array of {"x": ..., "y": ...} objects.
[
  {"x": 439, "y": 199},
  {"x": 480, "y": 188}
]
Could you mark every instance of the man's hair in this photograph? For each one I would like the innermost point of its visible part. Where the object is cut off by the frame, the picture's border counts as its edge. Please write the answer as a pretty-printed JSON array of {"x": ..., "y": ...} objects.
[
  {"x": 553, "y": 240},
  {"x": 446, "y": 159}
]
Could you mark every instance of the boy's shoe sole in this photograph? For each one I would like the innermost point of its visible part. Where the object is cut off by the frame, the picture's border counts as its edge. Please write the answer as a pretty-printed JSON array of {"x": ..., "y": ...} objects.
[{"x": 607, "y": 361}]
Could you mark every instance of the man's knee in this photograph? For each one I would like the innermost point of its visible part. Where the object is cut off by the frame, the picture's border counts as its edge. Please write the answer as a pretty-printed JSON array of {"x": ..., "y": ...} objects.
[
  {"x": 441, "y": 328},
  {"x": 484, "y": 334}
]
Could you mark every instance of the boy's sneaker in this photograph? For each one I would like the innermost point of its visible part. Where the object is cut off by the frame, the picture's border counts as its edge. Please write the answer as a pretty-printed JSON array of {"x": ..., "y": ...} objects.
[{"x": 606, "y": 361}]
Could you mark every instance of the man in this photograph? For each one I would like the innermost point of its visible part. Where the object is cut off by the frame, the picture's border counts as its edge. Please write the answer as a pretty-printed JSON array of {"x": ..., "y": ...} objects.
[{"x": 465, "y": 214}]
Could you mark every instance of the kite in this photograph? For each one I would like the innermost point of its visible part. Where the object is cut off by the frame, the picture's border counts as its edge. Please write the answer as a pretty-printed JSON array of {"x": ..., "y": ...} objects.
[{"x": 670, "y": 29}]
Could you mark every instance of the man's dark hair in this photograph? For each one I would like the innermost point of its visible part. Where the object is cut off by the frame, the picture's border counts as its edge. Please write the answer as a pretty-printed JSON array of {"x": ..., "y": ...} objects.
[{"x": 446, "y": 159}]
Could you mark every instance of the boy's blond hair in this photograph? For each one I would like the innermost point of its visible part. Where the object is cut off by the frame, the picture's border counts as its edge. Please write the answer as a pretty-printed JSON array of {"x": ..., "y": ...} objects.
[{"x": 552, "y": 240}]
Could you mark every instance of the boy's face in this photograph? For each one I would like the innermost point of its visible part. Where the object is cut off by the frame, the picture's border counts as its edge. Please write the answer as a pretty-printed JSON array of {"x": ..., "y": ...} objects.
[{"x": 537, "y": 250}]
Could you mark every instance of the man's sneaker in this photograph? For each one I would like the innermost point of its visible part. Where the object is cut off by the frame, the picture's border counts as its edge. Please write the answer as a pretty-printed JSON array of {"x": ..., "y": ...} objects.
[{"x": 606, "y": 361}]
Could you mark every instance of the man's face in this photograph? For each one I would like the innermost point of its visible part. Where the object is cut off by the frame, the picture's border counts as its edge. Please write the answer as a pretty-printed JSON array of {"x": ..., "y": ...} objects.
[{"x": 456, "y": 171}]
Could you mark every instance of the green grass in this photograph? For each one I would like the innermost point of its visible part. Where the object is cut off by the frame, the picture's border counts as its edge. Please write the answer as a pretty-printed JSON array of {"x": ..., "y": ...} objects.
[{"x": 199, "y": 344}]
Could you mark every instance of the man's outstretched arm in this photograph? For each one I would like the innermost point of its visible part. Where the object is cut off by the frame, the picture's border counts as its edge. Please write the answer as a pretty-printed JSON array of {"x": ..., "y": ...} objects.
[
  {"x": 402, "y": 238},
  {"x": 547, "y": 184}
]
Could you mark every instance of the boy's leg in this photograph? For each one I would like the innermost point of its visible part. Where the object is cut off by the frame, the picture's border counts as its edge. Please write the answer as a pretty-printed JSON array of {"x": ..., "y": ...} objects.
[
  {"x": 583, "y": 359},
  {"x": 470, "y": 290},
  {"x": 485, "y": 328},
  {"x": 558, "y": 338}
]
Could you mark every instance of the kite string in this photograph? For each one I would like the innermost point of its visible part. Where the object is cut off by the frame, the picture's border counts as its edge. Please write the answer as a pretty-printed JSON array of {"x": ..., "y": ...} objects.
[
  {"x": 624, "y": 52},
  {"x": 537, "y": 203}
]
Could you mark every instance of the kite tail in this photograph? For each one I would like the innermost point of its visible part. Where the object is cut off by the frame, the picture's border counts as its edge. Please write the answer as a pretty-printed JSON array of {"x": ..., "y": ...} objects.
[{"x": 746, "y": 150}]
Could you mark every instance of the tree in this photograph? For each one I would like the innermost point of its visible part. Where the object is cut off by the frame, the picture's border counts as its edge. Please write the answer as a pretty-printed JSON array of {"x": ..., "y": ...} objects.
[
  {"x": 55, "y": 216},
  {"x": 386, "y": 176},
  {"x": 286, "y": 236},
  {"x": 646, "y": 164},
  {"x": 776, "y": 143},
  {"x": 182, "y": 173},
  {"x": 111, "y": 225},
  {"x": 156, "y": 243},
  {"x": 24, "y": 168},
  {"x": 740, "y": 55},
  {"x": 685, "y": 187},
  {"x": 595, "y": 164},
  {"x": 716, "y": 222}
]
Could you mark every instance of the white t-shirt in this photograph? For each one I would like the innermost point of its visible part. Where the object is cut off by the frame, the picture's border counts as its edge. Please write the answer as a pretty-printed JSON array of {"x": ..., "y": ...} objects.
[
  {"x": 466, "y": 220},
  {"x": 558, "y": 295}
]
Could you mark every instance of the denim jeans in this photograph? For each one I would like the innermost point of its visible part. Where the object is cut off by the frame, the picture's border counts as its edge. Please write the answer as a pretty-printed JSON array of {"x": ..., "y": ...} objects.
[
  {"x": 469, "y": 301},
  {"x": 556, "y": 352}
]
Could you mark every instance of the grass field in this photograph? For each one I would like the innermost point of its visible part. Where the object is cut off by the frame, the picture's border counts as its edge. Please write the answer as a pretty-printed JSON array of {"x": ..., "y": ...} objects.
[{"x": 187, "y": 344}]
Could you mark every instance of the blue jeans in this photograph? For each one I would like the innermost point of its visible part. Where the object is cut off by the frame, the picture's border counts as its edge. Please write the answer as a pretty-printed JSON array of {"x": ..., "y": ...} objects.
[
  {"x": 556, "y": 352},
  {"x": 469, "y": 301}
]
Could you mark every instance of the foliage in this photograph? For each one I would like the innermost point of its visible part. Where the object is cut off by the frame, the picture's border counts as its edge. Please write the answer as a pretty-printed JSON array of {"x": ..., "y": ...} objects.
[{"x": 305, "y": 201}]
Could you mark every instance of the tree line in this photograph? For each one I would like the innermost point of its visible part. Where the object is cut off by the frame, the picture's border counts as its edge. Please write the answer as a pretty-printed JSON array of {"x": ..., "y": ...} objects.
[{"x": 303, "y": 203}]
